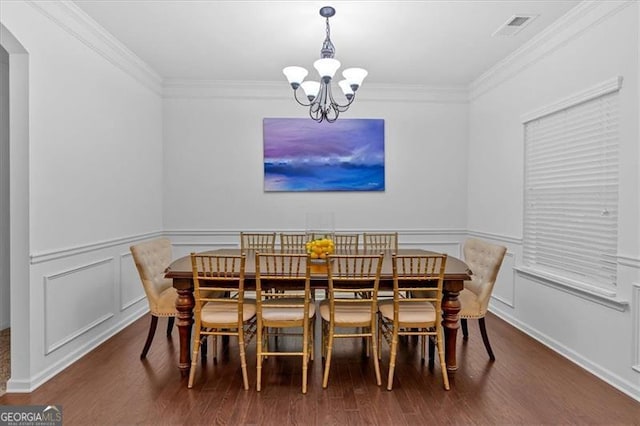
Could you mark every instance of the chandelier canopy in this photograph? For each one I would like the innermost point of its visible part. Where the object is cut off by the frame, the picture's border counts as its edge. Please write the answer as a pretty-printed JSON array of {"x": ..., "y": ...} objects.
[{"x": 322, "y": 105}]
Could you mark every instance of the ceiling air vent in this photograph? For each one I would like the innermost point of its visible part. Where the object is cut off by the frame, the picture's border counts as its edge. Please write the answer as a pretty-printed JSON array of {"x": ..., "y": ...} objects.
[{"x": 514, "y": 25}]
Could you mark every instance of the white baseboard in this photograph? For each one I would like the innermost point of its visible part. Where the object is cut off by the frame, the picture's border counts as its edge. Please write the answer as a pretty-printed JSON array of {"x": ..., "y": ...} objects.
[
  {"x": 27, "y": 386},
  {"x": 614, "y": 380}
]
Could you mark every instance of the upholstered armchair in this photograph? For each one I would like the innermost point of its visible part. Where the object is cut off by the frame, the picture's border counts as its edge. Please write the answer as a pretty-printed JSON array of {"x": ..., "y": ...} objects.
[{"x": 484, "y": 260}]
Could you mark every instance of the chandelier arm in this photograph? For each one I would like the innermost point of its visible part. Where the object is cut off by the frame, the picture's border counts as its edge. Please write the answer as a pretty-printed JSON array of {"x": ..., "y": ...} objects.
[
  {"x": 339, "y": 107},
  {"x": 332, "y": 113},
  {"x": 295, "y": 96}
]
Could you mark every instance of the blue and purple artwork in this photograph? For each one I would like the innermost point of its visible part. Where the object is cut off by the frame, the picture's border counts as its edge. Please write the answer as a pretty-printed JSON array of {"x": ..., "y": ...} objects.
[{"x": 302, "y": 155}]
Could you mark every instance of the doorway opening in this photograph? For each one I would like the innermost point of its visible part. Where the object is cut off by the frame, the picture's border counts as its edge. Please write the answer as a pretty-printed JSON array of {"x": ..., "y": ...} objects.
[{"x": 14, "y": 213}]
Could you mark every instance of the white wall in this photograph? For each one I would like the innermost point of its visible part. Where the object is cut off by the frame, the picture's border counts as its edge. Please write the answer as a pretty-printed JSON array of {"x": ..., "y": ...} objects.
[
  {"x": 95, "y": 185},
  {"x": 213, "y": 170},
  {"x": 597, "y": 335},
  {"x": 4, "y": 189}
]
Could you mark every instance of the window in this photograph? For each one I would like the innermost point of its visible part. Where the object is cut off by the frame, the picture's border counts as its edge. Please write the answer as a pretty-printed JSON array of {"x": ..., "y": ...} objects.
[{"x": 571, "y": 190}]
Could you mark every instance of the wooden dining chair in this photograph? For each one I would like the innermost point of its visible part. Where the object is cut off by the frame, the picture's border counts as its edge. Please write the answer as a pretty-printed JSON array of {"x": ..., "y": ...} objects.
[
  {"x": 350, "y": 275},
  {"x": 151, "y": 259},
  {"x": 375, "y": 242},
  {"x": 262, "y": 241},
  {"x": 346, "y": 243},
  {"x": 220, "y": 306},
  {"x": 279, "y": 313},
  {"x": 293, "y": 242},
  {"x": 420, "y": 315},
  {"x": 484, "y": 259}
]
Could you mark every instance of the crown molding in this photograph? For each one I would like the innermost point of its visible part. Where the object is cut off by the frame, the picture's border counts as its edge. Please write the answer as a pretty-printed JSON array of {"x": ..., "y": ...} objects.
[
  {"x": 579, "y": 19},
  {"x": 228, "y": 89},
  {"x": 68, "y": 16}
]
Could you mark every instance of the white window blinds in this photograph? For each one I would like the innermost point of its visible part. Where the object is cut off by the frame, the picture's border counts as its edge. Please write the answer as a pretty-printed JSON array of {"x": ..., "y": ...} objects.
[{"x": 571, "y": 192}]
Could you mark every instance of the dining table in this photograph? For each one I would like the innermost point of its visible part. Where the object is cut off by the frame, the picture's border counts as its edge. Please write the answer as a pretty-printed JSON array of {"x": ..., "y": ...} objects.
[{"x": 457, "y": 271}]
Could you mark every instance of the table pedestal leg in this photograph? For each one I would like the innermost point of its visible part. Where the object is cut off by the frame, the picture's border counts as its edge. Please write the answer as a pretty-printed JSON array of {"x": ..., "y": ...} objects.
[
  {"x": 450, "y": 310},
  {"x": 184, "y": 305}
]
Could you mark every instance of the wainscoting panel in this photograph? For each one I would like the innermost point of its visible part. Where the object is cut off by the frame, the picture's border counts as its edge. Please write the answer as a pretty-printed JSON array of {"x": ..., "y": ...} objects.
[
  {"x": 504, "y": 290},
  {"x": 76, "y": 301},
  {"x": 131, "y": 290},
  {"x": 635, "y": 327}
]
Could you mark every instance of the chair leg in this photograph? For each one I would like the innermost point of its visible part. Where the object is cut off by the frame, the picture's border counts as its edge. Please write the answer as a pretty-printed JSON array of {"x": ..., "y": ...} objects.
[
  {"x": 214, "y": 348},
  {"x": 443, "y": 364},
  {"x": 374, "y": 347},
  {"x": 431, "y": 351},
  {"x": 243, "y": 360},
  {"x": 305, "y": 357},
  {"x": 152, "y": 332},
  {"x": 485, "y": 338},
  {"x": 194, "y": 357},
  {"x": 170, "y": 322},
  {"x": 327, "y": 365},
  {"x": 465, "y": 330},
  {"x": 259, "y": 357},
  {"x": 392, "y": 359}
]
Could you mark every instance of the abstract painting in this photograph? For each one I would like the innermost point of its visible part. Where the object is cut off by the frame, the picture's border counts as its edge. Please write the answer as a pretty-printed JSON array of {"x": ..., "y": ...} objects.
[{"x": 302, "y": 155}]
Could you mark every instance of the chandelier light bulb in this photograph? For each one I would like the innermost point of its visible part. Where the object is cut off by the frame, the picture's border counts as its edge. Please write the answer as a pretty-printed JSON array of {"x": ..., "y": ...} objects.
[
  {"x": 327, "y": 68},
  {"x": 346, "y": 89},
  {"x": 311, "y": 89},
  {"x": 295, "y": 75},
  {"x": 354, "y": 76}
]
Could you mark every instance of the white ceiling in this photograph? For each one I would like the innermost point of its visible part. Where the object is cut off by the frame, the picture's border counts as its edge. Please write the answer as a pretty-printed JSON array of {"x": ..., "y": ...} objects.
[{"x": 430, "y": 43}]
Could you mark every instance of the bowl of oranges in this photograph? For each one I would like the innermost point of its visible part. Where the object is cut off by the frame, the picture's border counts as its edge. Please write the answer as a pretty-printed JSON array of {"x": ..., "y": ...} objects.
[{"x": 319, "y": 248}]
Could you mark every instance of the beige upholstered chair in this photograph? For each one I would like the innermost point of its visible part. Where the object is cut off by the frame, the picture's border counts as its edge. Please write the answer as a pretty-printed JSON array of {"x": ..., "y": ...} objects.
[
  {"x": 484, "y": 260},
  {"x": 151, "y": 259},
  {"x": 216, "y": 314},
  {"x": 420, "y": 315},
  {"x": 350, "y": 275},
  {"x": 380, "y": 241},
  {"x": 293, "y": 242},
  {"x": 284, "y": 311},
  {"x": 263, "y": 241}
]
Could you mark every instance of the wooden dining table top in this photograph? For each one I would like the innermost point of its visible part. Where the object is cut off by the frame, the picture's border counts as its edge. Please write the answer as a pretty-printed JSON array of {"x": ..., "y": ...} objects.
[{"x": 456, "y": 269}]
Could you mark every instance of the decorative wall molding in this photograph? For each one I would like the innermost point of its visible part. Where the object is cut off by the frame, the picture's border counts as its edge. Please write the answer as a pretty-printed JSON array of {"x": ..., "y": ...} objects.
[
  {"x": 208, "y": 89},
  {"x": 608, "y": 86},
  {"x": 585, "y": 15},
  {"x": 496, "y": 237},
  {"x": 126, "y": 304},
  {"x": 614, "y": 380},
  {"x": 236, "y": 232},
  {"x": 53, "y": 320},
  {"x": 635, "y": 326},
  {"x": 632, "y": 262},
  {"x": 594, "y": 294},
  {"x": 47, "y": 256},
  {"x": 27, "y": 386},
  {"x": 68, "y": 16},
  {"x": 510, "y": 303}
]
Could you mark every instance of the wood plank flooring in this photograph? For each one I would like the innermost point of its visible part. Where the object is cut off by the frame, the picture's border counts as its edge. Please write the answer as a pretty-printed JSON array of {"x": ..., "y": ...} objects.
[{"x": 527, "y": 384}]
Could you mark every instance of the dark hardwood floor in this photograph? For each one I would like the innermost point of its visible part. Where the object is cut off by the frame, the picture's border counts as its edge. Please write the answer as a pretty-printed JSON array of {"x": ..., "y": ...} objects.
[{"x": 527, "y": 384}]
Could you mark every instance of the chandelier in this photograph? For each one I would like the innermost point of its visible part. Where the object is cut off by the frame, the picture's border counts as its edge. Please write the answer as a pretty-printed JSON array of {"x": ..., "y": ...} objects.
[{"x": 322, "y": 105}]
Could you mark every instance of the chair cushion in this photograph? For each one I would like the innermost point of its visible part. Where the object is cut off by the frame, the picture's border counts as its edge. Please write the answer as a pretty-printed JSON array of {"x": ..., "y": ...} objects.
[
  {"x": 471, "y": 306},
  {"x": 295, "y": 313},
  {"x": 227, "y": 313},
  {"x": 409, "y": 312},
  {"x": 346, "y": 313}
]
